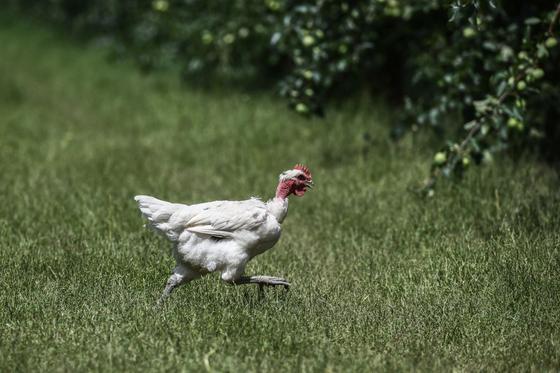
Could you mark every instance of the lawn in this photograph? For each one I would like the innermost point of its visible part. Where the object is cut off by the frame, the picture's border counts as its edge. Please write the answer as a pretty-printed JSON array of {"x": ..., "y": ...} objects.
[{"x": 382, "y": 279}]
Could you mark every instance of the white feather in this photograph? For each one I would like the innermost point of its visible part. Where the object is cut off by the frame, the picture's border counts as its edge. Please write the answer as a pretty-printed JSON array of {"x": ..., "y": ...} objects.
[{"x": 216, "y": 236}]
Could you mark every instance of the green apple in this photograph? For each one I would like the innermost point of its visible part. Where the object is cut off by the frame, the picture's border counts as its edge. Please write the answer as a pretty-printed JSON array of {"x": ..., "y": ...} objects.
[{"x": 440, "y": 158}]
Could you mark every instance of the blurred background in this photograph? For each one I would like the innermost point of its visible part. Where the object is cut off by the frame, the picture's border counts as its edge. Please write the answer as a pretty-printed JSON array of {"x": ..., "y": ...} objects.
[
  {"x": 440, "y": 64},
  {"x": 431, "y": 239}
]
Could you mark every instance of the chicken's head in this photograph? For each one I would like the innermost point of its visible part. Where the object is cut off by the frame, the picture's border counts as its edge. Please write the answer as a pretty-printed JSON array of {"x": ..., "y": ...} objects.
[{"x": 295, "y": 181}]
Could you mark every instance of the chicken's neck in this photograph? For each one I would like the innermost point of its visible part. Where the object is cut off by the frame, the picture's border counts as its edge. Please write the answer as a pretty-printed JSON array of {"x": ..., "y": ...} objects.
[
  {"x": 278, "y": 206},
  {"x": 284, "y": 189}
]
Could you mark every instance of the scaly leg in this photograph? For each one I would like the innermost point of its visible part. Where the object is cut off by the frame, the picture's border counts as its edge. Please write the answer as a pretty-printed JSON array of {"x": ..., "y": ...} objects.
[
  {"x": 263, "y": 281},
  {"x": 233, "y": 275},
  {"x": 180, "y": 276}
]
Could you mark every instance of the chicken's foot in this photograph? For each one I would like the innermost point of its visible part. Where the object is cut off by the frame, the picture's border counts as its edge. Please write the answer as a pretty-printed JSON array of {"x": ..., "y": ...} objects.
[{"x": 263, "y": 281}]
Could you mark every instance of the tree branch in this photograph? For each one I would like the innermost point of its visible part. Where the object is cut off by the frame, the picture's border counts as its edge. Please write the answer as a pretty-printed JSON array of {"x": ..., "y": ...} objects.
[{"x": 554, "y": 21}]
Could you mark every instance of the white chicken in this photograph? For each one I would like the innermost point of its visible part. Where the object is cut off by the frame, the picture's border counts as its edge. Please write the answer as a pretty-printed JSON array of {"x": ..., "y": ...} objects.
[{"x": 222, "y": 236}]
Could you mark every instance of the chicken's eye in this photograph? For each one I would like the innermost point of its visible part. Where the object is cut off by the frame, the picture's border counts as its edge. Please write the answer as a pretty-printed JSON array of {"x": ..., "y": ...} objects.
[{"x": 301, "y": 177}]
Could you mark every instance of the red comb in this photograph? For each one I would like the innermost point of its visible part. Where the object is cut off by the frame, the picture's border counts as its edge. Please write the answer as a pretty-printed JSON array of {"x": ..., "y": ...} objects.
[{"x": 303, "y": 168}]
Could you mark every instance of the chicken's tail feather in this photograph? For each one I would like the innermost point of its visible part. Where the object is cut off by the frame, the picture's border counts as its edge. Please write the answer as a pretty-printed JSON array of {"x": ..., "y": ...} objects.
[{"x": 157, "y": 213}]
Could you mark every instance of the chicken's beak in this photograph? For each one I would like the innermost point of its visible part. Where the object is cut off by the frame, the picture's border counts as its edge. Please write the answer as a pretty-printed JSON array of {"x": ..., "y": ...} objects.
[{"x": 309, "y": 184}]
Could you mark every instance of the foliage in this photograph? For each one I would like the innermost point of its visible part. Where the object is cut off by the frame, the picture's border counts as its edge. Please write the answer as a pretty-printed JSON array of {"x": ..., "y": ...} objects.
[
  {"x": 501, "y": 75},
  {"x": 491, "y": 64}
]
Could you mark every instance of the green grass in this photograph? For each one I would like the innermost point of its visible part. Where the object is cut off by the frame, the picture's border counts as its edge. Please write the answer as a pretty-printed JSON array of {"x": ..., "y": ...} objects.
[{"x": 467, "y": 280}]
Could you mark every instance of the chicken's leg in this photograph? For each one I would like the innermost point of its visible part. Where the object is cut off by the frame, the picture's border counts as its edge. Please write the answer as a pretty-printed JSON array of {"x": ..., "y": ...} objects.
[
  {"x": 180, "y": 276},
  {"x": 263, "y": 280}
]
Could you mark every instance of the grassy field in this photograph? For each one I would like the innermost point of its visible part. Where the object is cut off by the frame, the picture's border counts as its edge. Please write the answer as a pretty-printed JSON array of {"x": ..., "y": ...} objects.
[{"x": 468, "y": 280}]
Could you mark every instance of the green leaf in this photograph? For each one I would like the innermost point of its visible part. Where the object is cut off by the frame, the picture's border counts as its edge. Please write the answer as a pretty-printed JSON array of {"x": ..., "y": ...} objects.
[{"x": 532, "y": 21}]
